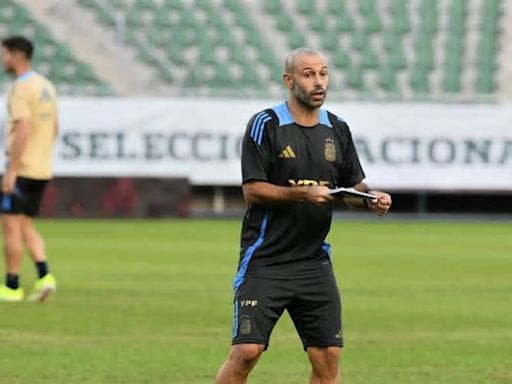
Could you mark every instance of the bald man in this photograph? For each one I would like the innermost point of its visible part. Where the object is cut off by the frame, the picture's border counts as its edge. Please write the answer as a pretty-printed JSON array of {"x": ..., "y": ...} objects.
[{"x": 292, "y": 155}]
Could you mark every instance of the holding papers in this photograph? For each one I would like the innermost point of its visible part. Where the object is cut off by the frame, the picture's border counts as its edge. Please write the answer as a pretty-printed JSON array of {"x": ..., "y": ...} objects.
[{"x": 351, "y": 192}]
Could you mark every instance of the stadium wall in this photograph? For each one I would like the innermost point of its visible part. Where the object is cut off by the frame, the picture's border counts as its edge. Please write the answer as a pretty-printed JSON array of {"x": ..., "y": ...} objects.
[{"x": 414, "y": 147}]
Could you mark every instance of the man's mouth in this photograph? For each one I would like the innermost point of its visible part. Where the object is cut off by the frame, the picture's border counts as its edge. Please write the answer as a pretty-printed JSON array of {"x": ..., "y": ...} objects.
[{"x": 319, "y": 93}]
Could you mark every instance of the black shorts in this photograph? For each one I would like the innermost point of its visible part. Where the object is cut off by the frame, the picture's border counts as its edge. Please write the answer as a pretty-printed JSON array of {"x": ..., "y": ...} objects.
[
  {"x": 314, "y": 304},
  {"x": 26, "y": 198}
]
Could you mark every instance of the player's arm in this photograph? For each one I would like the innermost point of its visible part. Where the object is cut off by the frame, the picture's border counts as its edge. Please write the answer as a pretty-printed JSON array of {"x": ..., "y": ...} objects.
[
  {"x": 262, "y": 192},
  {"x": 21, "y": 132},
  {"x": 353, "y": 175},
  {"x": 380, "y": 205}
]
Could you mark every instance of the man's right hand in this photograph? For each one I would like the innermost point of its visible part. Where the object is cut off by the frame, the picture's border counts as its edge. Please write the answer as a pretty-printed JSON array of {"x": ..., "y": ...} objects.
[{"x": 317, "y": 194}]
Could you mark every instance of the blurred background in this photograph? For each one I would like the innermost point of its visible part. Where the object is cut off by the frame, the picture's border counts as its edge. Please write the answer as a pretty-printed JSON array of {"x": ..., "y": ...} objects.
[{"x": 155, "y": 95}]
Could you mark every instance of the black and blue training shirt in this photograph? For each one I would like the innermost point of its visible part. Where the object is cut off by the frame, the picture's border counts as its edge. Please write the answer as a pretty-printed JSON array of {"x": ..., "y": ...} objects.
[{"x": 288, "y": 240}]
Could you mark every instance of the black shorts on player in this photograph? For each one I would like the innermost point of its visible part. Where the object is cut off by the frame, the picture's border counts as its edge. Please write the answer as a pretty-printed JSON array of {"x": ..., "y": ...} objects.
[
  {"x": 314, "y": 306},
  {"x": 26, "y": 198}
]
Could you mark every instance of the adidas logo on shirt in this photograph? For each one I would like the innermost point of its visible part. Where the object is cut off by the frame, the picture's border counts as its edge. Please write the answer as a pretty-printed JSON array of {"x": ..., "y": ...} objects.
[{"x": 287, "y": 153}]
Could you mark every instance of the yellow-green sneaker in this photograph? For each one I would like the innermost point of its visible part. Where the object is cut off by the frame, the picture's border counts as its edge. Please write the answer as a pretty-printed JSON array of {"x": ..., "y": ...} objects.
[
  {"x": 10, "y": 295},
  {"x": 43, "y": 287}
]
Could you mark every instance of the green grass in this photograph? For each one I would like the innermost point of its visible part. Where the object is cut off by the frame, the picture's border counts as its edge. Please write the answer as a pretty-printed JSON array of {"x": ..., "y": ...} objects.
[{"x": 150, "y": 302}]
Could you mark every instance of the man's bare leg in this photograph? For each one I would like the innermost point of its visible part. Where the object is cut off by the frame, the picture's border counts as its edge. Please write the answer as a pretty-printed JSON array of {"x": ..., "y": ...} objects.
[{"x": 241, "y": 360}]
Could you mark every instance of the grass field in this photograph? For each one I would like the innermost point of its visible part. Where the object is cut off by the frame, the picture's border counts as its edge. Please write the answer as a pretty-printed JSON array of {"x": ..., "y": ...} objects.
[{"x": 150, "y": 302}]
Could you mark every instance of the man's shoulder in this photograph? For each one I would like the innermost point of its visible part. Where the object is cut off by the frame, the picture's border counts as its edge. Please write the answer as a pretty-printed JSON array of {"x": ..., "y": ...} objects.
[
  {"x": 336, "y": 122},
  {"x": 32, "y": 86},
  {"x": 260, "y": 122}
]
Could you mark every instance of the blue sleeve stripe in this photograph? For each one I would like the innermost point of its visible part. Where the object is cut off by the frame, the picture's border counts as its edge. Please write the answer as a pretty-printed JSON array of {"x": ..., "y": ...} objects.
[
  {"x": 258, "y": 126},
  {"x": 242, "y": 269},
  {"x": 261, "y": 128},
  {"x": 255, "y": 123}
]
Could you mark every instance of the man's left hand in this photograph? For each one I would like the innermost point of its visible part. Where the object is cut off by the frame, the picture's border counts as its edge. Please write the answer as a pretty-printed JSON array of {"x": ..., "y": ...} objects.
[{"x": 381, "y": 204}]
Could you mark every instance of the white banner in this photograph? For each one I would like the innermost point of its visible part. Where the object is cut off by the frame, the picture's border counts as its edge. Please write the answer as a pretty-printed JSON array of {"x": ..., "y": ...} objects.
[{"x": 401, "y": 146}]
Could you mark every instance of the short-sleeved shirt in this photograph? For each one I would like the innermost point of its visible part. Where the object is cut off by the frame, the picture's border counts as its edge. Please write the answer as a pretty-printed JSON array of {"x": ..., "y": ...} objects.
[
  {"x": 33, "y": 97},
  {"x": 288, "y": 240}
]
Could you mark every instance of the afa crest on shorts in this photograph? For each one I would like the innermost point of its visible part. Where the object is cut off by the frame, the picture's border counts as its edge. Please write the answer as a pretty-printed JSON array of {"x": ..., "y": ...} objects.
[{"x": 330, "y": 150}]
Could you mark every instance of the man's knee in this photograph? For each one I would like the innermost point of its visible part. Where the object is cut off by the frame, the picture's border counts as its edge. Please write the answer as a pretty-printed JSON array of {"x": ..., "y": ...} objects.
[
  {"x": 11, "y": 224},
  {"x": 325, "y": 362},
  {"x": 246, "y": 355}
]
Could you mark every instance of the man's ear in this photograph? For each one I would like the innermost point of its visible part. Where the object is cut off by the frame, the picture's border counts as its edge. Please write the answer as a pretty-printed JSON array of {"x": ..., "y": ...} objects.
[{"x": 288, "y": 80}]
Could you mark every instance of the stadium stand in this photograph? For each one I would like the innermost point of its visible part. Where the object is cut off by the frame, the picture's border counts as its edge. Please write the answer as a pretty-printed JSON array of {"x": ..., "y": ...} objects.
[
  {"x": 385, "y": 49},
  {"x": 51, "y": 58}
]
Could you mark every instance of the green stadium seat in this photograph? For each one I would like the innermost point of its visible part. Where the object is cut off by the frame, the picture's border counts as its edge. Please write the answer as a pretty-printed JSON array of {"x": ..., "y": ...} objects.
[
  {"x": 454, "y": 46},
  {"x": 369, "y": 59},
  {"x": 387, "y": 80},
  {"x": 222, "y": 78},
  {"x": 143, "y": 5},
  {"x": 373, "y": 23},
  {"x": 361, "y": 40},
  {"x": 355, "y": 79},
  {"x": 207, "y": 55},
  {"x": 336, "y": 7},
  {"x": 367, "y": 7},
  {"x": 429, "y": 23},
  {"x": 329, "y": 41},
  {"x": 250, "y": 78},
  {"x": 401, "y": 24},
  {"x": 398, "y": 7},
  {"x": 284, "y": 22},
  {"x": 342, "y": 59},
  {"x": 419, "y": 81},
  {"x": 485, "y": 82},
  {"x": 317, "y": 22},
  {"x": 162, "y": 20},
  {"x": 344, "y": 23},
  {"x": 266, "y": 56},
  {"x": 272, "y": 6},
  {"x": 452, "y": 82},
  {"x": 157, "y": 38},
  {"x": 196, "y": 77},
  {"x": 424, "y": 53},
  {"x": 147, "y": 56},
  {"x": 390, "y": 40},
  {"x": 175, "y": 54},
  {"x": 396, "y": 57},
  {"x": 306, "y": 7},
  {"x": 234, "y": 6},
  {"x": 164, "y": 73},
  {"x": 170, "y": 5},
  {"x": 243, "y": 20},
  {"x": 296, "y": 40},
  {"x": 188, "y": 19},
  {"x": 205, "y": 5},
  {"x": 254, "y": 39},
  {"x": 237, "y": 56}
]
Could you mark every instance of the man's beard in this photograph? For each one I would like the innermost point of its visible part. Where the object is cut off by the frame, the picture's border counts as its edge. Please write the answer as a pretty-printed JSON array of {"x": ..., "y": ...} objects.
[{"x": 305, "y": 99}]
